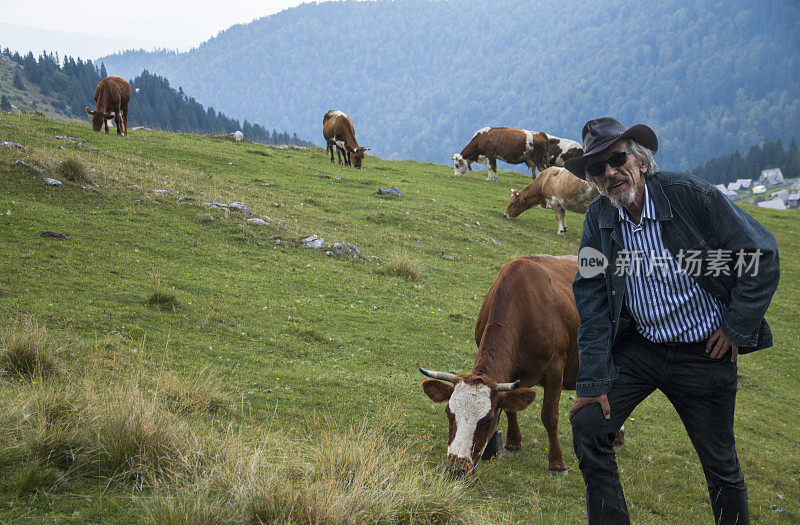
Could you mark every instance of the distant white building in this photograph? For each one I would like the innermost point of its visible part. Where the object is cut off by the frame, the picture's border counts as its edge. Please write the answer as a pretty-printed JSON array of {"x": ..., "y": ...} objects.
[
  {"x": 771, "y": 177},
  {"x": 775, "y": 204},
  {"x": 782, "y": 195},
  {"x": 759, "y": 189},
  {"x": 793, "y": 200},
  {"x": 734, "y": 186},
  {"x": 744, "y": 184},
  {"x": 724, "y": 190}
]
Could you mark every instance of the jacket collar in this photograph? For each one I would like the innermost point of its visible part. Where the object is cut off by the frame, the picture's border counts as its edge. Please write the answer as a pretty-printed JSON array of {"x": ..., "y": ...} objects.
[{"x": 609, "y": 215}]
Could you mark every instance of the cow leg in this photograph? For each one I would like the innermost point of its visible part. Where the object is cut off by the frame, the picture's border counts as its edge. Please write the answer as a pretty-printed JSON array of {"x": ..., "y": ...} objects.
[
  {"x": 125, "y": 120},
  {"x": 118, "y": 122},
  {"x": 514, "y": 437},
  {"x": 562, "y": 223},
  {"x": 492, "y": 169},
  {"x": 552, "y": 393},
  {"x": 339, "y": 155},
  {"x": 105, "y": 123}
]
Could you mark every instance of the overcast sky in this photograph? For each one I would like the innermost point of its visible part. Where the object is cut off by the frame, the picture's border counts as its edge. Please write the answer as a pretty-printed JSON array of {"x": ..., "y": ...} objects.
[{"x": 174, "y": 24}]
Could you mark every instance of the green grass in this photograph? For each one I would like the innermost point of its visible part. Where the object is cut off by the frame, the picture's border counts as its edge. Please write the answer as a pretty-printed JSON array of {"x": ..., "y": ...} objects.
[{"x": 277, "y": 347}]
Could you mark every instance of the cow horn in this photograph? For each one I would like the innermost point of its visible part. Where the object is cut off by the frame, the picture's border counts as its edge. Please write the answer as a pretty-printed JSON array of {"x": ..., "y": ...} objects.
[
  {"x": 444, "y": 376},
  {"x": 508, "y": 386}
]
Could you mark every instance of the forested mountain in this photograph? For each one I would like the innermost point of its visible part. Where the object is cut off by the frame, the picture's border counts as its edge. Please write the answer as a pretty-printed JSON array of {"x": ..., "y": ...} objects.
[
  {"x": 419, "y": 76},
  {"x": 769, "y": 154},
  {"x": 69, "y": 89}
]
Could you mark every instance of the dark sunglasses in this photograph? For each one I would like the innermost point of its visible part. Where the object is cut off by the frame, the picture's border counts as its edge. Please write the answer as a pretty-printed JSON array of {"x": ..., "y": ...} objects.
[{"x": 598, "y": 169}]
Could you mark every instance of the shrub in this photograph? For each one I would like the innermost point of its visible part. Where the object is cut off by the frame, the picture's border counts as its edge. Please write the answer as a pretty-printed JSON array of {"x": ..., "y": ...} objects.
[{"x": 202, "y": 393}]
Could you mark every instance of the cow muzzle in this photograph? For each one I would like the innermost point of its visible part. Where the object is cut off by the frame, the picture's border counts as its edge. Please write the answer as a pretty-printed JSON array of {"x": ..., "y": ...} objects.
[{"x": 458, "y": 467}]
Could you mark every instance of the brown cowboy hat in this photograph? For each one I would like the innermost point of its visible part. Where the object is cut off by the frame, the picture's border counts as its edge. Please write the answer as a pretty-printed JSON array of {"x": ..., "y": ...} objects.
[{"x": 599, "y": 134}]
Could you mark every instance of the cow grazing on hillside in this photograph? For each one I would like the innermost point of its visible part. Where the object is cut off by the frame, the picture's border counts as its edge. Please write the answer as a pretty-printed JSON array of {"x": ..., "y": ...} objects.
[
  {"x": 560, "y": 150},
  {"x": 527, "y": 334},
  {"x": 111, "y": 95},
  {"x": 511, "y": 145},
  {"x": 339, "y": 132},
  {"x": 554, "y": 188}
]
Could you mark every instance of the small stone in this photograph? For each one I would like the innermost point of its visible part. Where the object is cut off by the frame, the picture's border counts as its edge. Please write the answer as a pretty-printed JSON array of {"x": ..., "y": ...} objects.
[
  {"x": 5, "y": 144},
  {"x": 260, "y": 222},
  {"x": 237, "y": 135},
  {"x": 185, "y": 198},
  {"x": 313, "y": 241},
  {"x": 147, "y": 164},
  {"x": 61, "y": 147},
  {"x": 240, "y": 207},
  {"x": 161, "y": 192},
  {"x": 135, "y": 186},
  {"x": 494, "y": 241},
  {"x": 277, "y": 222},
  {"x": 23, "y": 164},
  {"x": 52, "y": 182},
  {"x": 391, "y": 191}
]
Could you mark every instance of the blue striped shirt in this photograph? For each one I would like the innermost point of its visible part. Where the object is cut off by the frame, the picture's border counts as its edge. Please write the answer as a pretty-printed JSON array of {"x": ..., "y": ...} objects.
[{"x": 666, "y": 303}]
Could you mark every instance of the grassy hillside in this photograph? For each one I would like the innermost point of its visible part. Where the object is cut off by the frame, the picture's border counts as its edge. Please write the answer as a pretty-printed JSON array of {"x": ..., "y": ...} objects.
[
  {"x": 31, "y": 98},
  {"x": 257, "y": 379}
]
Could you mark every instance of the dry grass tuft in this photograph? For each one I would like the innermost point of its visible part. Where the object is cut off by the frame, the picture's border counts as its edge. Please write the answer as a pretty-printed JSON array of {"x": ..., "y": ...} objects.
[
  {"x": 73, "y": 170},
  {"x": 162, "y": 297},
  {"x": 400, "y": 264},
  {"x": 201, "y": 393},
  {"x": 27, "y": 352}
]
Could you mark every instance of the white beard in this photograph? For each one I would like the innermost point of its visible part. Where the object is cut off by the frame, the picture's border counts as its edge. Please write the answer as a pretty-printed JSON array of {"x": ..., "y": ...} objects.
[{"x": 624, "y": 201}]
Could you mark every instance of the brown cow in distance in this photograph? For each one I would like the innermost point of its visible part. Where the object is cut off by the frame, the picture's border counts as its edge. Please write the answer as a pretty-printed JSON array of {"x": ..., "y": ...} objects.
[
  {"x": 554, "y": 188},
  {"x": 511, "y": 145},
  {"x": 527, "y": 334},
  {"x": 338, "y": 130},
  {"x": 111, "y": 95}
]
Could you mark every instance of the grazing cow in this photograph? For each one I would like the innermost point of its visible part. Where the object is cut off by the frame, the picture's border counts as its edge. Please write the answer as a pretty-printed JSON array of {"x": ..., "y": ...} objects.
[
  {"x": 339, "y": 132},
  {"x": 511, "y": 145},
  {"x": 527, "y": 334},
  {"x": 560, "y": 150},
  {"x": 554, "y": 188},
  {"x": 112, "y": 94}
]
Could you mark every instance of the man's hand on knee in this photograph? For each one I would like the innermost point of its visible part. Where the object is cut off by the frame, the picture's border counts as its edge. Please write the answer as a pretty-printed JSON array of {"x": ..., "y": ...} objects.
[{"x": 583, "y": 401}]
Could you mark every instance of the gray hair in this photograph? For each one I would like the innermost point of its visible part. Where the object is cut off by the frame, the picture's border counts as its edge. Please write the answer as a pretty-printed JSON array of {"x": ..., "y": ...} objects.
[{"x": 644, "y": 155}]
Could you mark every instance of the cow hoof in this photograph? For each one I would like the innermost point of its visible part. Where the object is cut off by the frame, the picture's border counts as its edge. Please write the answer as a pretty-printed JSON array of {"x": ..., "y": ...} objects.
[
  {"x": 558, "y": 472},
  {"x": 513, "y": 450}
]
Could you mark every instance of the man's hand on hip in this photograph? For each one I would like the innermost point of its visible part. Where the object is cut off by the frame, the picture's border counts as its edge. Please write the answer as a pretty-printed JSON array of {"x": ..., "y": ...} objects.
[
  {"x": 583, "y": 401},
  {"x": 718, "y": 344}
]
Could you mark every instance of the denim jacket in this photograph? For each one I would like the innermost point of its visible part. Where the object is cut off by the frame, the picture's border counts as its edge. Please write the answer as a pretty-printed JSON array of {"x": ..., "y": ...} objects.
[{"x": 694, "y": 216}]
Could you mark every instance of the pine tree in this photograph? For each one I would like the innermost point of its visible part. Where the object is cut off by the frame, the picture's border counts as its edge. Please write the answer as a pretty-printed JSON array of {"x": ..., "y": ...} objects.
[
  {"x": 103, "y": 72},
  {"x": 18, "y": 81},
  {"x": 5, "y": 105}
]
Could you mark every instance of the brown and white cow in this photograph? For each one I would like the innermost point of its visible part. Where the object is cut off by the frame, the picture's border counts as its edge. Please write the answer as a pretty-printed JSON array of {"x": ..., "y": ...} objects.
[
  {"x": 560, "y": 150},
  {"x": 112, "y": 94},
  {"x": 339, "y": 132},
  {"x": 527, "y": 334},
  {"x": 554, "y": 188},
  {"x": 511, "y": 145}
]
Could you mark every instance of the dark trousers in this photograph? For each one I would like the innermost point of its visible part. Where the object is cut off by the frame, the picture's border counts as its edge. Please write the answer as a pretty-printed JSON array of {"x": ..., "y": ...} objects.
[{"x": 702, "y": 390}]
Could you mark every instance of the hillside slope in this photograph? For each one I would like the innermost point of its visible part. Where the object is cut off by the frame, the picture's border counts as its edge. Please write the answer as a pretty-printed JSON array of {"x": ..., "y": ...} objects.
[
  {"x": 419, "y": 76},
  {"x": 310, "y": 345}
]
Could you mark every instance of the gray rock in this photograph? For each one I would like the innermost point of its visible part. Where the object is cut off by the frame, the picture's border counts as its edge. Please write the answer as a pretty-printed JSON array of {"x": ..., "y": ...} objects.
[
  {"x": 494, "y": 241},
  {"x": 135, "y": 186},
  {"x": 237, "y": 135},
  {"x": 338, "y": 249},
  {"x": 313, "y": 241},
  {"x": 61, "y": 147},
  {"x": 391, "y": 191},
  {"x": 23, "y": 164},
  {"x": 215, "y": 204},
  {"x": 147, "y": 164},
  {"x": 260, "y": 222},
  {"x": 353, "y": 250},
  {"x": 161, "y": 192},
  {"x": 52, "y": 182},
  {"x": 185, "y": 198},
  {"x": 345, "y": 250},
  {"x": 778, "y": 509},
  {"x": 240, "y": 207},
  {"x": 277, "y": 222},
  {"x": 70, "y": 139},
  {"x": 5, "y": 144}
]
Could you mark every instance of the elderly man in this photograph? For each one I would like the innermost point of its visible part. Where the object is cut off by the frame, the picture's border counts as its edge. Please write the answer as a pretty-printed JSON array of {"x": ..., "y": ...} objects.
[{"x": 688, "y": 279}]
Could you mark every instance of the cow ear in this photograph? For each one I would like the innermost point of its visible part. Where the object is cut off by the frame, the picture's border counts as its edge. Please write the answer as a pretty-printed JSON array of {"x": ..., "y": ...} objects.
[
  {"x": 89, "y": 112},
  {"x": 517, "y": 400},
  {"x": 436, "y": 390}
]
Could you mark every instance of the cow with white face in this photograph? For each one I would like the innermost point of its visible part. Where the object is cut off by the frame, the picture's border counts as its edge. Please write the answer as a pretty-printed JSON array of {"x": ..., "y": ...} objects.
[
  {"x": 514, "y": 146},
  {"x": 473, "y": 409}
]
